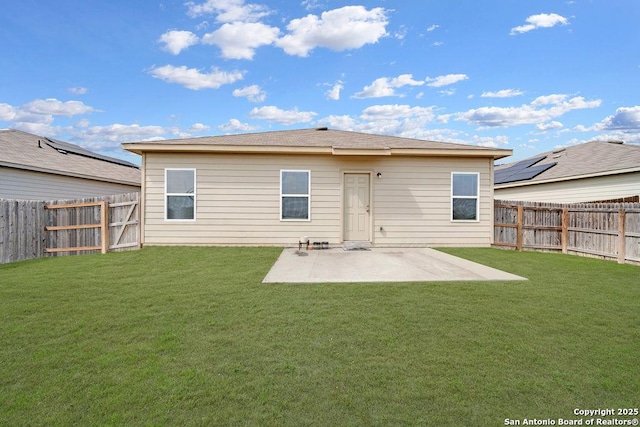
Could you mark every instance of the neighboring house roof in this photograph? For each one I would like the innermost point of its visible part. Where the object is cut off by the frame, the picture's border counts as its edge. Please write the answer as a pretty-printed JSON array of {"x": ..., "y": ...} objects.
[
  {"x": 21, "y": 150},
  {"x": 586, "y": 160},
  {"x": 316, "y": 141}
]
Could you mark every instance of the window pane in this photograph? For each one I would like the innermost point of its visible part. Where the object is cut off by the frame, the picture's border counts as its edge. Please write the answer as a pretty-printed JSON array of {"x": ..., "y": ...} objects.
[
  {"x": 465, "y": 209},
  {"x": 465, "y": 185},
  {"x": 295, "y": 208},
  {"x": 180, "y": 181},
  {"x": 295, "y": 183},
  {"x": 180, "y": 207}
]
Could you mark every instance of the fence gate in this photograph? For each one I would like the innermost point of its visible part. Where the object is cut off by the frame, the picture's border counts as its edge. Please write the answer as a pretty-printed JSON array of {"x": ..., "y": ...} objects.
[
  {"x": 124, "y": 230},
  {"x": 103, "y": 245}
]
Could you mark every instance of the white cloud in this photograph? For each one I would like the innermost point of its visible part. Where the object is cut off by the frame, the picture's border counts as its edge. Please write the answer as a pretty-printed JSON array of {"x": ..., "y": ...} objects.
[
  {"x": 549, "y": 126},
  {"x": 228, "y": 10},
  {"x": 78, "y": 90},
  {"x": 543, "y": 20},
  {"x": 275, "y": 114},
  {"x": 490, "y": 141},
  {"x": 36, "y": 128},
  {"x": 625, "y": 119},
  {"x": 119, "y": 132},
  {"x": 527, "y": 147},
  {"x": 253, "y": 93},
  {"x": 555, "y": 106},
  {"x": 176, "y": 41},
  {"x": 378, "y": 89},
  {"x": 385, "y": 112},
  {"x": 626, "y": 137},
  {"x": 398, "y": 120},
  {"x": 239, "y": 40},
  {"x": 7, "y": 112},
  {"x": 334, "y": 92},
  {"x": 446, "y": 80},
  {"x": 107, "y": 137},
  {"x": 349, "y": 27},
  {"x": 83, "y": 123},
  {"x": 433, "y": 27},
  {"x": 549, "y": 100},
  {"x": 504, "y": 93},
  {"x": 339, "y": 122},
  {"x": 401, "y": 33},
  {"x": 310, "y": 4},
  {"x": 386, "y": 86},
  {"x": 25, "y": 116},
  {"x": 54, "y": 107},
  {"x": 37, "y": 116},
  {"x": 436, "y": 44},
  {"x": 192, "y": 78},
  {"x": 447, "y": 92},
  {"x": 198, "y": 127},
  {"x": 408, "y": 127},
  {"x": 236, "y": 126}
]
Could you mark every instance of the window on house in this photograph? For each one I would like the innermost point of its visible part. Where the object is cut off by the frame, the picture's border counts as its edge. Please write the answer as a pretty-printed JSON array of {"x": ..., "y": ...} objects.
[
  {"x": 295, "y": 190},
  {"x": 180, "y": 194},
  {"x": 464, "y": 196}
]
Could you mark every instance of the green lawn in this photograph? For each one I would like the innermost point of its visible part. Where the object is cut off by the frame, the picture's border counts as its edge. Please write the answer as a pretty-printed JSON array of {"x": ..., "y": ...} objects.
[{"x": 189, "y": 336}]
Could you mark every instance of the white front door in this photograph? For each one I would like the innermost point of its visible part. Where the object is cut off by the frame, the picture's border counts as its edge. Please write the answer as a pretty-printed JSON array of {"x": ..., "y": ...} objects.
[{"x": 356, "y": 206}]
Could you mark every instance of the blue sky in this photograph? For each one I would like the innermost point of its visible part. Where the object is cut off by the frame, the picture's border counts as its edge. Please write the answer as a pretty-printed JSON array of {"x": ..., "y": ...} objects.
[{"x": 529, "y": 75}]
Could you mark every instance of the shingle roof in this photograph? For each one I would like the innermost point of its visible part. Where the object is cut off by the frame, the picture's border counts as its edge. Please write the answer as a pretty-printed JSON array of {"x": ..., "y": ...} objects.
[
  {"x": 320, "y": 138},
  {"x": 583, "y": 160},
  {"x": 23, "y": 150}
]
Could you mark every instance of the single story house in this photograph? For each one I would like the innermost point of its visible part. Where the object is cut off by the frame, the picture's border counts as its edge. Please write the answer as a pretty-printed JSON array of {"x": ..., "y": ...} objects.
[
  {"x": 272, "y": 188},
  {"x": 593, "y": 171},
  {"x": 33, "y": 167}
]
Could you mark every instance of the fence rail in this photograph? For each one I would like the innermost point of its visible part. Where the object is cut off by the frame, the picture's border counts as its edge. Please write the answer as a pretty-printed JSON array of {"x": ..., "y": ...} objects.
[
  {"x": 33, "y": 229},
  {"x": 606, "y": 230}
]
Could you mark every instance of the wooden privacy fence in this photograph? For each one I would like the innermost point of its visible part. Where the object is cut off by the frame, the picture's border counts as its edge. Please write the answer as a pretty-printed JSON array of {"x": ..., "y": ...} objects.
[
  {"x": 607, "y": 230},
  {"x": 32, "y": 229}
]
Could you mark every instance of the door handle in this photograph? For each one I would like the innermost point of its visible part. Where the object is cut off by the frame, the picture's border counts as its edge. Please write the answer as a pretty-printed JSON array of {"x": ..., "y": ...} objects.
[{"x": 368, "y": 209}]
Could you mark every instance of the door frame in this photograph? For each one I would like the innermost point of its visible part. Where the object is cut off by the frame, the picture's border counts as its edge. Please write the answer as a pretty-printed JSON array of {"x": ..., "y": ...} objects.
[{"x": 343, "y": 183}]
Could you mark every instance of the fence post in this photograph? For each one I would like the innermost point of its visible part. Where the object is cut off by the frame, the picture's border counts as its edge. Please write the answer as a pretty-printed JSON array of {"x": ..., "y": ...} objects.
[
  {"x": 104, "y": 226},
  {"x": 622, "y": 240},
  {"x": 565, "y": 230},
  {"x": 519, "y": 229}
]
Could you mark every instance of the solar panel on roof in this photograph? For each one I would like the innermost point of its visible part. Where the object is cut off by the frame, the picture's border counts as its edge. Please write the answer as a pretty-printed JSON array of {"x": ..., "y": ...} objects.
[
  {"x": 501, "y": 175},
  {"x": 525, "y": 174},
  {"x": 514, "y": 172},
  {"x": 74, "y": 149},
  {"x": 526, "y": 163}
]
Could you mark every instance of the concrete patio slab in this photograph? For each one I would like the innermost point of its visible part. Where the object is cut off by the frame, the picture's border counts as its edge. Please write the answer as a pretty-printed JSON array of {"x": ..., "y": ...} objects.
[{"x": 377, "y": 265}]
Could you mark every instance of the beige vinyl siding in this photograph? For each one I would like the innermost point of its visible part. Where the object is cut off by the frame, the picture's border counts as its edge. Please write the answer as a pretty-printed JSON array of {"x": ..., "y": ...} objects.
[
  {"x": 575, "y": 191},
  {"x": 238, "y": 200},
  {"x": 30, "y": 185},
  {"x": 413, "y": 204}
]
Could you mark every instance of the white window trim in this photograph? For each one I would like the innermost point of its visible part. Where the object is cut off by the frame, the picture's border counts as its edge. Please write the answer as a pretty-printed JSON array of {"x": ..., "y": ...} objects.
[
  {"x": 166, "y": 195},
  {"x": 476, "y": 197},
  {"x": 308, "y": 195}
]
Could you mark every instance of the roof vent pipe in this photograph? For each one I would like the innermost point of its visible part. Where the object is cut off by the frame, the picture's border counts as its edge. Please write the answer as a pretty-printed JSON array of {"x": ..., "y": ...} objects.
[{"x": 615, "y": 142}]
